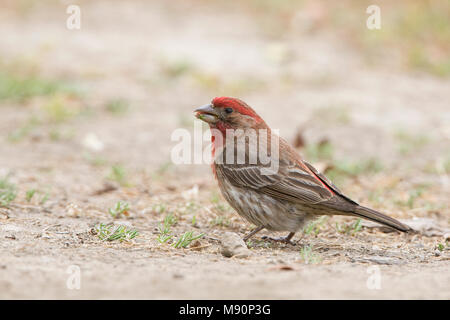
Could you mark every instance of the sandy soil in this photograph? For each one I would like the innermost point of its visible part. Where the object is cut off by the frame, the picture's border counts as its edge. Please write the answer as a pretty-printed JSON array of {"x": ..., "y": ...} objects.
[{"x": 163, "y": 63}]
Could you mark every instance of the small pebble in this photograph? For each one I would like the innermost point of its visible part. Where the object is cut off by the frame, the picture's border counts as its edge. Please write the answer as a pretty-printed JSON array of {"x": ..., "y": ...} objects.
[{"x": 233, "y": 246}]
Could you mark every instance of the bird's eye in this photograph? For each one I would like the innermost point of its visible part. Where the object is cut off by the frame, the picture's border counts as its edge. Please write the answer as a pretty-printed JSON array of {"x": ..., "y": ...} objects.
[{"x": 228, "y": 110}]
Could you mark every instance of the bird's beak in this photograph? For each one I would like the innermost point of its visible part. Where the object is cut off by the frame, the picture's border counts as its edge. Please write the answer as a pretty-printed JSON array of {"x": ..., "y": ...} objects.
[{"x": 207, "y": 113}]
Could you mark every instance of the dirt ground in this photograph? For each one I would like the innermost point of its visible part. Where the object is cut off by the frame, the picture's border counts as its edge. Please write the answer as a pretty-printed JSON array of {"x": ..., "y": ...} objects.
[{"x": 130, "y": 76}]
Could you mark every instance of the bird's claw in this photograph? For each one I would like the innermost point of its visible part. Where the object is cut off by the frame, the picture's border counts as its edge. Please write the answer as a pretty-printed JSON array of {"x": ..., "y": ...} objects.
[{"x": 286, "y": 239}]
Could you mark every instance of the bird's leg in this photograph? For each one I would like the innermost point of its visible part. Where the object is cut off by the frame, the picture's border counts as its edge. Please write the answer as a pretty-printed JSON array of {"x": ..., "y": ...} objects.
[
  {"x": 286, "y": 239},
  {"x": 253, "y": 232}
]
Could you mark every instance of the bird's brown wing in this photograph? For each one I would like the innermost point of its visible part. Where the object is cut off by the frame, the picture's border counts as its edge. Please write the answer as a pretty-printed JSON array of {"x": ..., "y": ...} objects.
[
  {"x": 292, "y": 182},
  {"x": 326, "y": 181}
]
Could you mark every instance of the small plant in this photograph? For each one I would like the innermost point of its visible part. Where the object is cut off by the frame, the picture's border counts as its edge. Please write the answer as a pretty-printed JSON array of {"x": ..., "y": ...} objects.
[
  {"x": 323, "y": 150},
  {"x": 407, "y": 143},
  {"x": 187, "y": 208},
  {"x": 221, "y": 207},
  {"x": 24, "y": 130},
  {"x": 357, "y": 226},
  {"x": 342, "y": 169},
  {"x": 20, "y": 89},
  {"x": 440, "y": 247},
  {"x": 54, "y": 134},
  {"x": 309, "y": 256},
  {"x": 109, "y": 232},
  {"x": 215, "y": 198},
  {"x": 218, "y": 204},
  {"x": 351, "y": 229},
  {"x": 375, "y": 195},
  {"x": 191, "y": 207},
  {"x": 165, "y": 235},
  {"x": 121, "y": 208},
  {"x": 162, "y": 170},
  {"x": 29, "y": 194},
  {"x": 118, "y": 174},
  {"x": 315, "y": 226},
  {"x": 164, "y": 228},
  {"x": 220, "y": 221},
  {"x": 117, "y": 106},
  {"x": 159, "y": 208},
  {"x": 186, "y": 239},
  {"x": 94, "y": 160},
  {"x": 163, "y": 238},
  {"x": 413, "y": 195},
  {"x": 45, "y": 198},
  {"x": 33, "y": 193},
  {"x": 169, "y": 221},
  {"x": 57, "y": 110},
  {"x": 7, "y": 192}
]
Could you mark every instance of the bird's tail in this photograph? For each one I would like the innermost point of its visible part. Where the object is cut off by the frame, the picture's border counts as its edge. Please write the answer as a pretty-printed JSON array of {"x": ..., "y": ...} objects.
[{"x": 376, "y": 216}]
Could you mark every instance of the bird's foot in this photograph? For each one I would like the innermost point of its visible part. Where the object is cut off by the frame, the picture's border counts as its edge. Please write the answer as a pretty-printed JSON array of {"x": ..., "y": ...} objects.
[
  {"x": 253, "y": 232},
  {"x": 286, "y": 239}
]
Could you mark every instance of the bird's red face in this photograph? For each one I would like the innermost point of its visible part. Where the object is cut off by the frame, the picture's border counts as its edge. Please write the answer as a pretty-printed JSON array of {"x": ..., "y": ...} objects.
[{"x": 228, "y": 113}]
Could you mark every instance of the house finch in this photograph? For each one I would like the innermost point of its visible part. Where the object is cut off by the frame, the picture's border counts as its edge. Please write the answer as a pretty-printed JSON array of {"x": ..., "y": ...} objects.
[{"x": 280, "y": 200}]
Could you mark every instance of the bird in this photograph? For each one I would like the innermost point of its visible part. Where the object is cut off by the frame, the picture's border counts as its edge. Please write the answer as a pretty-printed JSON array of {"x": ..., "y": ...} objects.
[{"x": 281, "y": 200}]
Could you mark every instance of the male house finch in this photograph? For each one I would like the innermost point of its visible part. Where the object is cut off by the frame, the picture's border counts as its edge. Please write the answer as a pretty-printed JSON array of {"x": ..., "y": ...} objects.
[{"x": 284, "y": 200}]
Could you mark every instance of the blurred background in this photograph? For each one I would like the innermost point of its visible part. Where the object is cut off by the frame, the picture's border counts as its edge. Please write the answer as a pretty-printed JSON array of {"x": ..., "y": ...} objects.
[
  {"x": 79, "y": 106},
  {"x": 87, "y": 114}
]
